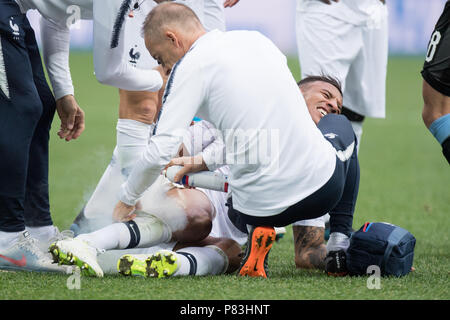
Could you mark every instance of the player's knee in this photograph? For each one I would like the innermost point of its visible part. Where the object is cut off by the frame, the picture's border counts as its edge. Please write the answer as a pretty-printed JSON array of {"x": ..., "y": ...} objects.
[
  {"x": 428, "y": 116},
  {"x": 199, "y": 225},
  {"x": 200, "y": 219}
]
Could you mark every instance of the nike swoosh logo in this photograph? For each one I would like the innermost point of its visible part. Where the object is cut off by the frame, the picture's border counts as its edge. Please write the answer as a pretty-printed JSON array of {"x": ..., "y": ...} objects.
[{"x": 20, "y": 263}]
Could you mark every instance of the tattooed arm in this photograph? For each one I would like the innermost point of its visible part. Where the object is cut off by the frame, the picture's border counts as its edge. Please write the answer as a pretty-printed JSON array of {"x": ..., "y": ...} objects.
[{"x": 310, "y": 249}]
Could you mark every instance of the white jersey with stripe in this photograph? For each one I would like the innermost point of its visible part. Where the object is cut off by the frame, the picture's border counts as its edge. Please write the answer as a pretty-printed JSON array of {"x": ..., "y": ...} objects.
[{"x": 121, "y": 59}]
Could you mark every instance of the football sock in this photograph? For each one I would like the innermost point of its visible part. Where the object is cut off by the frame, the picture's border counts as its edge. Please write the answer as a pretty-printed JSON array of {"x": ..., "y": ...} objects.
[
  {"x": 440, "y": 129},
  {"x": 357, "y": 128},
  {"x": 114, "y": 236},
  {"x": 105, "y": 196},
  {"x": 132, "y": 139},
  {"x": 200, "y": 261},
  {"x": 149, "y": 232},
  {"x": 143, "y": 233}
]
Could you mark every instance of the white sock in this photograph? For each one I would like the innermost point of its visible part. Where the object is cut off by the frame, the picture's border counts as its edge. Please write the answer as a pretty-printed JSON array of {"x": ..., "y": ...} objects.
[
  {"x": 7, "y": 239},
  {"x": 114, "y": 236},
  {"x": 338, "y": 241},
  {"x": 105, "y": 196},
  {"x": 200, "y": 261},
  {"x": 142, "y": 232},
  {"x": 42, "y": 233},
  {"x": 132, "y": 139},
  {"x": 357, "y": 128},
  {"x": 152, "y": 231}
]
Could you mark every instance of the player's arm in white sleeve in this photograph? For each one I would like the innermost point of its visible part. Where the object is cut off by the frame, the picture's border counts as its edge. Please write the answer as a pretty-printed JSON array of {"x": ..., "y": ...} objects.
[
  {"x": 55, "y": 50},
  {"x": 214, "y": 154},
  {"x": 203, "y": 139},
  {"x": 185, "y": 92},
  {"x": 110, "y": 60}
]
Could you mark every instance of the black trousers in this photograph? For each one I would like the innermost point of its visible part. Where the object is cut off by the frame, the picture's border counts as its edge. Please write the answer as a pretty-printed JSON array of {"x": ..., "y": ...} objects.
[
  {"x": 337, "y": 197},
  {"x": 27, "y": 107}
]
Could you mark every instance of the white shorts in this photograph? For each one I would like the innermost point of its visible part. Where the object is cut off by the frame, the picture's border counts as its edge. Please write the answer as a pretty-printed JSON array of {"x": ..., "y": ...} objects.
[
  {"x": 222, "y": 227},
  {"x": 354, "y": 54}
]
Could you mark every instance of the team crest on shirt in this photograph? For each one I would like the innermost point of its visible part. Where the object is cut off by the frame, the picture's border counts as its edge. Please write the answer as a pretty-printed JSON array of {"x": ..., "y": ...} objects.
[
  {"x": 330, "y": 135},
  {"x": 134, "y": 56},
  {"x": 15, "y": 29}
]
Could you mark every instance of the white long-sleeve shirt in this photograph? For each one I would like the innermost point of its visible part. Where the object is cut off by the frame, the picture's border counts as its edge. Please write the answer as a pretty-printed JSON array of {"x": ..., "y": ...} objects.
[
  {"x": 57, "y": 16},
  {"x": 121, "y": 59},
  {"x": 240, "y": 82}
]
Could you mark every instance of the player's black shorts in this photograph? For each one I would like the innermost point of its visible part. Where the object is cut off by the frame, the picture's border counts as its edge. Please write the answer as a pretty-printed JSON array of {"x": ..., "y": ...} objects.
[{"x": 436, "y": 69}]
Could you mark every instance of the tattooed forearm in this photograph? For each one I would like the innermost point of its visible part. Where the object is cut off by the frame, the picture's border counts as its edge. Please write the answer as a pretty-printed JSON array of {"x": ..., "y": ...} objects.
[{"x": 310, "y": 250}]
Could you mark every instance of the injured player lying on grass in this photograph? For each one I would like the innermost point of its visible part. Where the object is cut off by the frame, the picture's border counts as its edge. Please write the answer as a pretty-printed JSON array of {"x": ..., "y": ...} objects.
[
  {"x": 216, "y": 254},
  {"x": 170, "y": 217}
]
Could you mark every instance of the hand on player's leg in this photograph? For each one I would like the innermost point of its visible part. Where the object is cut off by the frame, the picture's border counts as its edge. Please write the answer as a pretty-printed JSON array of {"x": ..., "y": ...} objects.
[{"x": 124, "y": 212}]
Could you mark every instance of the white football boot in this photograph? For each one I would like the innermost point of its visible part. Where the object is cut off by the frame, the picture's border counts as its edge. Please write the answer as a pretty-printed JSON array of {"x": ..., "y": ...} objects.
[{"x": 77, "y": 252}]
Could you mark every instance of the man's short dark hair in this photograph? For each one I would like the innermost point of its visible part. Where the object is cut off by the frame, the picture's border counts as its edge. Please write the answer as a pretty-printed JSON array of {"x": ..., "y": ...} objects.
[
  {"x": 324, "y": 78},
  {"x": 165, "y": 13}
]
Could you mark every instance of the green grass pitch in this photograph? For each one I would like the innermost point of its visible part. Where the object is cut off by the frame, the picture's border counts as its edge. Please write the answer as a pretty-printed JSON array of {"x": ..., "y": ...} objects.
[{"x": 404, "y": 180}]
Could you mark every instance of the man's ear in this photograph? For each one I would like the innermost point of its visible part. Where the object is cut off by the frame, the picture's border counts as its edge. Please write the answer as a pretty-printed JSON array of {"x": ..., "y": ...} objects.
[{"x": 172, "y": 37}]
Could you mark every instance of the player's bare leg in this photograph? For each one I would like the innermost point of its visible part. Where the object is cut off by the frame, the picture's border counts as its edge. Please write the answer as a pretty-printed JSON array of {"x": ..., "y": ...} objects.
[
  {"x": 199, "y": 214},
  {"x": 310, "y": 248},
  {"x": 436, "y": 116}
]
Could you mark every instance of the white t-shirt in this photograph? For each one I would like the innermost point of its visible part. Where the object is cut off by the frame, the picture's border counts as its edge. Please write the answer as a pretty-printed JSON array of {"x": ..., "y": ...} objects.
[
  {"x": 239, "y": 80},
  {"x": 357, "y": 12}
]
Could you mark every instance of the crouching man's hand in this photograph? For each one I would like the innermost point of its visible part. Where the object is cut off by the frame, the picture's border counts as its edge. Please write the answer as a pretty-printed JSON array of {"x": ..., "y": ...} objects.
[
  {"x": 124, "y": 212},
  {"x": 189, "y": 164}
]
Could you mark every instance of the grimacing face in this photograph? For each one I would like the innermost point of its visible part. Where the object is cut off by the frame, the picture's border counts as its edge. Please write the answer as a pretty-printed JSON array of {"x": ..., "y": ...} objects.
[{"x": 321, "y": 99}]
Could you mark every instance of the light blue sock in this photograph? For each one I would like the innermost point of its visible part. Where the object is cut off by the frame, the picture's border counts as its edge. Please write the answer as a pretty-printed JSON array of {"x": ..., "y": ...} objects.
[{"x": 440, "y": 128}]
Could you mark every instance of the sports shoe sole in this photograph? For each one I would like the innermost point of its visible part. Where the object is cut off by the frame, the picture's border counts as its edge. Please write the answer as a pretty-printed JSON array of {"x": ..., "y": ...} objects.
[
  {"x": 67, "y": 258},
  {"x": 128, "y": 265},
  {"x": 159, "y": 265},
  {"x": 261, "y": 241}
]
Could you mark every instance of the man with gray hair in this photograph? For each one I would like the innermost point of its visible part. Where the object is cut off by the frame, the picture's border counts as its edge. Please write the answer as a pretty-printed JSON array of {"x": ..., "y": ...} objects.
[{"x": 218, "y": 77}]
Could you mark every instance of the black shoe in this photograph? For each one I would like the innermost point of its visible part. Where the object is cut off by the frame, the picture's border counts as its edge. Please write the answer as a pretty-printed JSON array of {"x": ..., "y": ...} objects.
[{"x": 335, "y": 263}]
